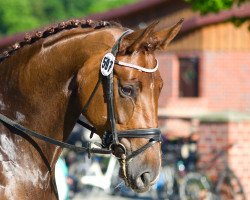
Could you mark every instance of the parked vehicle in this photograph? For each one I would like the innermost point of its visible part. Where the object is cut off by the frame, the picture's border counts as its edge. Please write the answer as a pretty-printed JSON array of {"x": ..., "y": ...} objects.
[{"x": 196, "y": 184}]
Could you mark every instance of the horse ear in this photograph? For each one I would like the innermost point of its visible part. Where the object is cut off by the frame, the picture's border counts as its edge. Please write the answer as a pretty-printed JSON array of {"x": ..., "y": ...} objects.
[
  {"x": 135, "y": 40},
  {"x": 166, "y": 35}
]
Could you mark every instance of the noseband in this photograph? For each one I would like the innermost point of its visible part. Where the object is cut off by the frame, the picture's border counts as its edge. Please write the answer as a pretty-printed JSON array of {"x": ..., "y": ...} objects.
[{"x": 111, "y": 139}]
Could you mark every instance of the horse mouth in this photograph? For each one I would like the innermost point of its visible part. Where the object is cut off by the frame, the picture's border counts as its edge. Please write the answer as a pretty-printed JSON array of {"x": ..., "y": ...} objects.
[
  {"x": 140, "y": 173},
  {"x": 139, "y": 184}
]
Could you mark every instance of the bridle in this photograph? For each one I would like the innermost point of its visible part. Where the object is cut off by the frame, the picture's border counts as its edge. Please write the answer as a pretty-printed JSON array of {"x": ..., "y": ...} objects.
[{"x": 111, "y": 139}]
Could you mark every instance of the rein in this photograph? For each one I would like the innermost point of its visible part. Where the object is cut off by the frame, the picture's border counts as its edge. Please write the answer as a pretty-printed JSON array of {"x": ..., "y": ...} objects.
[
  {"x": 110, "y": 141},
  {"x": 31, "y": 133}
]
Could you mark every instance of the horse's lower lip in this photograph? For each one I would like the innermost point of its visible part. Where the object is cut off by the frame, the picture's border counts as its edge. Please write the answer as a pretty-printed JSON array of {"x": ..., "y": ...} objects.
[
  {"x": 141, "y": 190},
  {"x": 137, "y": 188},
  {"x": 129, "y": 183}
]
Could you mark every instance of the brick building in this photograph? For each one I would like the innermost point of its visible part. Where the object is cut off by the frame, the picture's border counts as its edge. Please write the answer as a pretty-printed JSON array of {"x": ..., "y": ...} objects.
[{"x": 206, "y": 74}]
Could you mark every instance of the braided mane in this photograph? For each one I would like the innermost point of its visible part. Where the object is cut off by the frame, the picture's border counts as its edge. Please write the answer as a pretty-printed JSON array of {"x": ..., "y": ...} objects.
[{"x": 52, "y": 30}]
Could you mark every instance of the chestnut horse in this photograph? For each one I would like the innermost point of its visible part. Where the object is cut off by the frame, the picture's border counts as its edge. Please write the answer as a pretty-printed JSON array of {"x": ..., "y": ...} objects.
[{"x": 47, "y": 79}]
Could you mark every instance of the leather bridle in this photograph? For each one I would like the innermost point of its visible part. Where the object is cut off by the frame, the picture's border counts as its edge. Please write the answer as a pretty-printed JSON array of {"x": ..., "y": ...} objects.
[{"x": 111, "y": 139}]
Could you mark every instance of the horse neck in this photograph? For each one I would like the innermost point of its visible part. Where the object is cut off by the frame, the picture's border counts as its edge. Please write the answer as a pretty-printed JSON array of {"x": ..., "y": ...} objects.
[
  {"x": 45, "y": 98},
  {"x": 44, "y": 87}
]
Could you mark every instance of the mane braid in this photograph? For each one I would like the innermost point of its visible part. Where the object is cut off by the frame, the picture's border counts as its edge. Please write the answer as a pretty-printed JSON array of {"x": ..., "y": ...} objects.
[{"x": 67, "y": 25}]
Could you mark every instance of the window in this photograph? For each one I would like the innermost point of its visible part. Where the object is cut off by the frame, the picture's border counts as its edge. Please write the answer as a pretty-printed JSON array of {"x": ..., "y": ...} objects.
[{"x": 189, "y": 77}]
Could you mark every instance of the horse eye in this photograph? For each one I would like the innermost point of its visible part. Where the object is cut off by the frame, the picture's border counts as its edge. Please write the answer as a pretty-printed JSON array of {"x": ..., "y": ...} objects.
[{"x": 127, "y": 90}]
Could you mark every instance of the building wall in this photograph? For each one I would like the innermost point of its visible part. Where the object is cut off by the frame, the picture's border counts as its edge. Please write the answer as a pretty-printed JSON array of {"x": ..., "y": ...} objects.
[
  {"x": 216, "y": 37},
  {"x": 224, "y": 82},
  {"x": 169, "y": 101},
  {"x": 226, "y": 37},
  {"x": 224, "y": 53},
  {"x": 212, "y": 136},
  {"x": 216, "y": 136}
]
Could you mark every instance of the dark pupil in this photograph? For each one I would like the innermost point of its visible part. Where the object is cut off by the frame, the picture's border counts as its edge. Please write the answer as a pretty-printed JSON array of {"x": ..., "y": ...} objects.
[{"x": 127, "y": 90}]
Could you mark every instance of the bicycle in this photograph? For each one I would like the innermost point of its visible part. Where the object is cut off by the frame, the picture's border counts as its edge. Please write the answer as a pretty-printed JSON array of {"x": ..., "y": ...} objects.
[
  {"x": 196, "y": 185},
  {"x": 179, "y": 156}
]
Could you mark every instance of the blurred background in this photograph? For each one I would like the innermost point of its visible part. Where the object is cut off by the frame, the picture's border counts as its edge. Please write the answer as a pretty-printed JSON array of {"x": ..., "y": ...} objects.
[{"x": 204, "y": 107}]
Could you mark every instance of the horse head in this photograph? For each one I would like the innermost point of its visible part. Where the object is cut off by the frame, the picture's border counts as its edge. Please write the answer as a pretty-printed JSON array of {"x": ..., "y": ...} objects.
[{"x": 136, "y": 91}]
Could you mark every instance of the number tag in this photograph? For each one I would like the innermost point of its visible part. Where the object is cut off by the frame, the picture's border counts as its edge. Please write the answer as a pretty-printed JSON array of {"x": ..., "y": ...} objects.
[{"x": 107, "y": 64}]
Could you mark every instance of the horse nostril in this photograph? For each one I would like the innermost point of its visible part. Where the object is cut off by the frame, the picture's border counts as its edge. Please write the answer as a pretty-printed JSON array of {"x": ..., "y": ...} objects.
[
  {"x": 145, "y": 177},
  {"x": 143, "y": 180}
]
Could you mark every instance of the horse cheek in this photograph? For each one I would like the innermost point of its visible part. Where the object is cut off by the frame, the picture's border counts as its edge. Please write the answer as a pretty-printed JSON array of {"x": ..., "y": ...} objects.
[{"x": 125, "y": 110}]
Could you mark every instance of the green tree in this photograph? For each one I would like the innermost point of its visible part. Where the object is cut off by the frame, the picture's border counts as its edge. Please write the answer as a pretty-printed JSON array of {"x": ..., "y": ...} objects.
[
  {"x": 16, "y": 16},
  {"x": 103, "y": 5},
  {"x": 76, "y": 8},
  {"x": 214, "y": 6},
  {"x": 47, "y": 11},
  {"x": 23, "y": 15}
]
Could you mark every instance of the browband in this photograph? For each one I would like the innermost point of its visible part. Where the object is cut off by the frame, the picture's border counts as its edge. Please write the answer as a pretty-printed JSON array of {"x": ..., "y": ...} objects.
[{"x": 143, "y": 69}]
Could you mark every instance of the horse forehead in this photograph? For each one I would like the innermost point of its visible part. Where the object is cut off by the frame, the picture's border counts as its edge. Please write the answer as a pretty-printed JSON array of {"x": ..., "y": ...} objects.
[
  {"x": 150, "y": 80},
  {"x": 142, "y": 59}
]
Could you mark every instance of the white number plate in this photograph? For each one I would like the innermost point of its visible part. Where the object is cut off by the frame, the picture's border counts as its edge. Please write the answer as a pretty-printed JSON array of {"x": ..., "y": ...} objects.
[{"x": 107, "y": 64}]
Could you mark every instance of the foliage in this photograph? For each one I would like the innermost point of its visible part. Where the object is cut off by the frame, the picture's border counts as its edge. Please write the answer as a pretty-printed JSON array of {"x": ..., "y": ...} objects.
[
  {"x": 214, "y": 6},
  {"x": 16, "y": 15},
  {"x": 205, "y": 6},
  {"x": 21, "y": 15}
]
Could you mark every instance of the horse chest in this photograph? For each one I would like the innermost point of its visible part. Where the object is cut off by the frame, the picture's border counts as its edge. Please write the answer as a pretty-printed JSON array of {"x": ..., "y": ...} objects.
[{"x": 20, "y": 176}]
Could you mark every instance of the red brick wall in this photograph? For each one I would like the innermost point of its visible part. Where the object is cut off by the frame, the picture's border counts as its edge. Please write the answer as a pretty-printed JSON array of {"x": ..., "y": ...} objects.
[
  {"x": 224, "y": 82},
  {"x": 239, "y": 157},
  {"x": 234, "y": 137},
  {"x": 167, "y": 68},
  {"x": 219, "y": 135},
  {"x": 224, "y": 85},
  {"x": 169, "y": 98}
]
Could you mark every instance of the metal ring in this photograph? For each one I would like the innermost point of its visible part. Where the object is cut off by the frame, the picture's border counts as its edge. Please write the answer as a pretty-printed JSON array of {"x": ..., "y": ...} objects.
[{"x": 118, "y": 150}]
